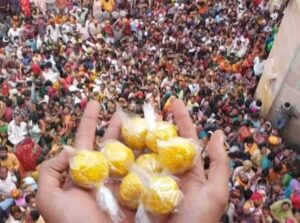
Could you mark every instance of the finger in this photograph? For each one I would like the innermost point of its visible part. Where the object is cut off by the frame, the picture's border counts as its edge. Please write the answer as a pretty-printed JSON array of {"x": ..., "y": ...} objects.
[
  {"x": 85, "y": 135},
  {"x": 219, "y": 167},
  {"x": 114, "y": 128},
  {"x": 186, "y": 130},
  {"x": 183, "y": 120},
  {"x": 51, "y": 171}
]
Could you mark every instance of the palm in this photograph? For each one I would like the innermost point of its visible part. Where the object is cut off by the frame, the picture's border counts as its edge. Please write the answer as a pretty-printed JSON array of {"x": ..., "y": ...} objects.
[
  {"x": 202, "y": 194},
  {"x": 204, "y": 200}
]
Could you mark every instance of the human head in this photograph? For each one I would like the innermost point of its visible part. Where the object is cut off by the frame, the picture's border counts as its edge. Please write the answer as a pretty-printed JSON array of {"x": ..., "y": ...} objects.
[
  {"x": 30, "y": 200},
  {"x": 247, "y": 165},
  {"x": 35, "y": 215},
  {"x": 277, "y": 168},
  {"x": 16, "y": 212},
  {"x": 249, "y": 141},
  {"x": 285, "y": 206},
  {"x": 3, "y": 172},
  {"x": 287, "y": 106},
  {"x": 257, "y": 199},
  {"x": 258, "y": 103},
  {"x": 3, "y": 152}
]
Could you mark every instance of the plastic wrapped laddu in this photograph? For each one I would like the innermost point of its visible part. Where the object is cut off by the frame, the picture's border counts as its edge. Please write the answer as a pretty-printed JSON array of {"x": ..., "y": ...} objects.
[
  {"x": 130, "y": 190},
  {"x": 149, "y": 162},
  {"x": 133, "y": 130},
  {"x": 119, "y": 157},
  {"x": 160, "y": 195},
  {"x": 90, "y": 169},
  {"x": 178, "y": 155},
  {"x": 157, "y": 130},
  {"x": 131, "y": 185}
]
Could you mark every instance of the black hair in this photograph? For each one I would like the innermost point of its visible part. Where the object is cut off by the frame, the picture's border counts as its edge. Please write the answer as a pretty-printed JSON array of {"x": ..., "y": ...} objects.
[
  {"x": 265, "y": 172},
  {"x": 247, "y": 194},
  {"x": 8, "y": 102},
  {"x": 77, "y": 105},
  {"x": 258, "y": 103},
  {"x": 271, "y": 156},
  {"x": 262, "y": 181},
  {"x": 287, "y": 104},
  {"x": 277, "y": 168},
  {"x": 28, "y": 197},
  {"x": 35, "y": 215},
  {"x": 20, "y": 101},
  {"x": 286, "y": 202},
  {"x": 34, "y": 117},
  {"x": 3, "y": 147},
  {"x": 249, "y": 140},
  {"x": 48, "y": 65}
]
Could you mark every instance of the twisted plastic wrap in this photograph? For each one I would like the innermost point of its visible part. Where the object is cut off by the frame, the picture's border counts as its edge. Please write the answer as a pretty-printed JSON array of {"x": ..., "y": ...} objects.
[
  {"x": 162, "y": 131},
  {"x": 134, "y": 133},
  {"x": 150, "y": 163}
]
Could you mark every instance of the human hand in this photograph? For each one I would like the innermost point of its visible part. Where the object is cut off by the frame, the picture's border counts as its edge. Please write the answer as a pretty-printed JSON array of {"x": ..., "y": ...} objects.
[
  {"x": 205, "y": 198},
  {"x": 59, "y": 200}
]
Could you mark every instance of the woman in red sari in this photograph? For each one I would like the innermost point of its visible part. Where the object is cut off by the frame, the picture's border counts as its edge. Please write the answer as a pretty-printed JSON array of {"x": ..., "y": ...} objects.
[
  {"x": 28, "y": 153},
  {"x": 26, "y": 7}
]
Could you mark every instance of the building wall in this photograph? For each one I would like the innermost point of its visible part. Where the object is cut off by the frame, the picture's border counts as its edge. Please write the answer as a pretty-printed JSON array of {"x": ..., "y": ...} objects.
[{"x": 280, "y": 81}]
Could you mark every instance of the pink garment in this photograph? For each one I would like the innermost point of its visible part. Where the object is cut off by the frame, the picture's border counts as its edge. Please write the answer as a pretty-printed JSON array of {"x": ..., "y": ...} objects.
[
  {"x": 21, "y": 202},
  {"x": 8, "y": 114}
]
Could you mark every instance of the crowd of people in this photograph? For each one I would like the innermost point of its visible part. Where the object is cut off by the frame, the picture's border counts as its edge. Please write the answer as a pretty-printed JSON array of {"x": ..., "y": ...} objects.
[{"x": 55, "y": 56}]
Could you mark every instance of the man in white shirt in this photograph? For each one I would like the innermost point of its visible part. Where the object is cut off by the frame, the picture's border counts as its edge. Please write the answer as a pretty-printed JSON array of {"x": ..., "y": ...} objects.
[
  {"x": 17, "y": 130},
  {"x": 14, "y": 32},
  {"x": 167, "y": 82},
  {"x": 7, "y": 185},
  {"x": 7, "y": 182},
  {"x": 49, "y": 74},
  {"x": 258, "y": 66},
  {"x": 53, "y": 31},
  {"x": 83, "y": 29}
]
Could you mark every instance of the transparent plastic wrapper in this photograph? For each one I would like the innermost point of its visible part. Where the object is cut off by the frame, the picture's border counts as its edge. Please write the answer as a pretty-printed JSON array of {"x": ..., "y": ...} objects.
[
  {"x": 178, "y": 155},
  {"x": 90, "y": 169},
  {"x": 160, "y": 130},
  {"x": 119, "y": 157},
  {"x": 131, "y": 185},
  {"x": 130, "y": 190},
  {"x": 133, "y": 130},
  {"x": 160, "y": 195},
  {"x": 149, "y": 162}
]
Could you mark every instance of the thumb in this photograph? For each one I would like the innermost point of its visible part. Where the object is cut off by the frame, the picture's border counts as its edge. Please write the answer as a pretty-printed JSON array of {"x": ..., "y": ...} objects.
[{"x": 51, "y": 172}]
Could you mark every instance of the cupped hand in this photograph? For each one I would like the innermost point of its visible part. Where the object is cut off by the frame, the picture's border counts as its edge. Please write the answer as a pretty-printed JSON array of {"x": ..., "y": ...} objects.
[
  {"x": 58, "y": 199},
  {"x": 205, "y": 198}
]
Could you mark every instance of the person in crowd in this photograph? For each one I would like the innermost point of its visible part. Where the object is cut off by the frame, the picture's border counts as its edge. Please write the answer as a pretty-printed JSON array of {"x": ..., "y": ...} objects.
[
  {"x": 56, "y": 56},
  {"x": 8, "y": 159}
]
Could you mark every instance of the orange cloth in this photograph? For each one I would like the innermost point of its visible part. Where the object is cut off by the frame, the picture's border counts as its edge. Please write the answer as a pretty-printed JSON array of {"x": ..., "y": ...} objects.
[
  {"x": 12, "y": 162},
  {"x": 251, "y": 150},
  {"x": 108, "y": 5},
  {"x": 276, "y": 176}
]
